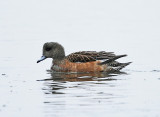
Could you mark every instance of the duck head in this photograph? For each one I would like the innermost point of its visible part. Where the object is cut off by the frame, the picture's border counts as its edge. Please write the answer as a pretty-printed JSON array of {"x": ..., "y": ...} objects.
[{"x": 52, "y": 50}]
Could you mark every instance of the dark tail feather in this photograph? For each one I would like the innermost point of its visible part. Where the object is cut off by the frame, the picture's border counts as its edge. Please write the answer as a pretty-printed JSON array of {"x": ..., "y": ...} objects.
[
  {"x": 113, "y": 59},
  {"x": 121, "y": 66}
]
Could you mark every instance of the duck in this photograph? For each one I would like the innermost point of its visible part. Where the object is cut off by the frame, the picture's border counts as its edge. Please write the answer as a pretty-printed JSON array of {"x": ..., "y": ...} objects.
[{"x": 81, "y": 61}]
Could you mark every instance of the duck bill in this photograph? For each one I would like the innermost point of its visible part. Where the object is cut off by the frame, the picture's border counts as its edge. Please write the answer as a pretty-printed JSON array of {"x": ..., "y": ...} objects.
[{"x": 41, "y": 59}]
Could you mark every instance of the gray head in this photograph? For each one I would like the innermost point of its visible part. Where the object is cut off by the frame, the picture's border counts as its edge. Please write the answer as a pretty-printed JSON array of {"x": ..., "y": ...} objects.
[{"x": 52, "y": 50}]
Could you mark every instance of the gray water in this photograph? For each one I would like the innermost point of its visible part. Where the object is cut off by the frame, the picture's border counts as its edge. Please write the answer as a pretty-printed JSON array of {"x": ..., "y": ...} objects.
[{"x": 125, "y": 27}]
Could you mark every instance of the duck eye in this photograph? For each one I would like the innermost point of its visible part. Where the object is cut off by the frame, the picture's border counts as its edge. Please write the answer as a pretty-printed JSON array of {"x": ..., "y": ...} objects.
[{"x": 48, "y": 49}]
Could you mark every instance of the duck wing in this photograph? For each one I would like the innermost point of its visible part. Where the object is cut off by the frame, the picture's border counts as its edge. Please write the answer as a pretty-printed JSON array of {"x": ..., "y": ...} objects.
[{"x": 88, "y": 56}]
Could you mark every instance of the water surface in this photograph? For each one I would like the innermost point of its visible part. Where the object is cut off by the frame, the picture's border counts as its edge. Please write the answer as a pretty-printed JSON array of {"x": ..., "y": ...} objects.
[{"x": 124, "y": 27}]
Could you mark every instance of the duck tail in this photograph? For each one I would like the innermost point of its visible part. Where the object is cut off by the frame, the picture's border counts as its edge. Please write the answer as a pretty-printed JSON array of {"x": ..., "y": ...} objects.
[
  {"x": 120, "y": 66},
  {"x": 113, "y": 59},
  {"x": 115, "y": 66}
]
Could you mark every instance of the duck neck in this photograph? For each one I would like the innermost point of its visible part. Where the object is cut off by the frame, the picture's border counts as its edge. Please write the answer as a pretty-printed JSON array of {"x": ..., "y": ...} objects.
[
  {"x": 59, "y": 57},
  {"x": 57, "y": 61},
  {"x": 59, "y": 54}
]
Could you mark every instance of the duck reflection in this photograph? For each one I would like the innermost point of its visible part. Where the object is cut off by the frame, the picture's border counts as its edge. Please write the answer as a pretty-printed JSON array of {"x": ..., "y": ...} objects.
[
  {"x": 73, "y": 77},
  {"x": 57, "y": 83}
]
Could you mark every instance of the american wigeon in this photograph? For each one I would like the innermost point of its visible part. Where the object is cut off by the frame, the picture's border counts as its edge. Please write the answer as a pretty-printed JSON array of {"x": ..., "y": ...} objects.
[{"x": 83, "y": 61}]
